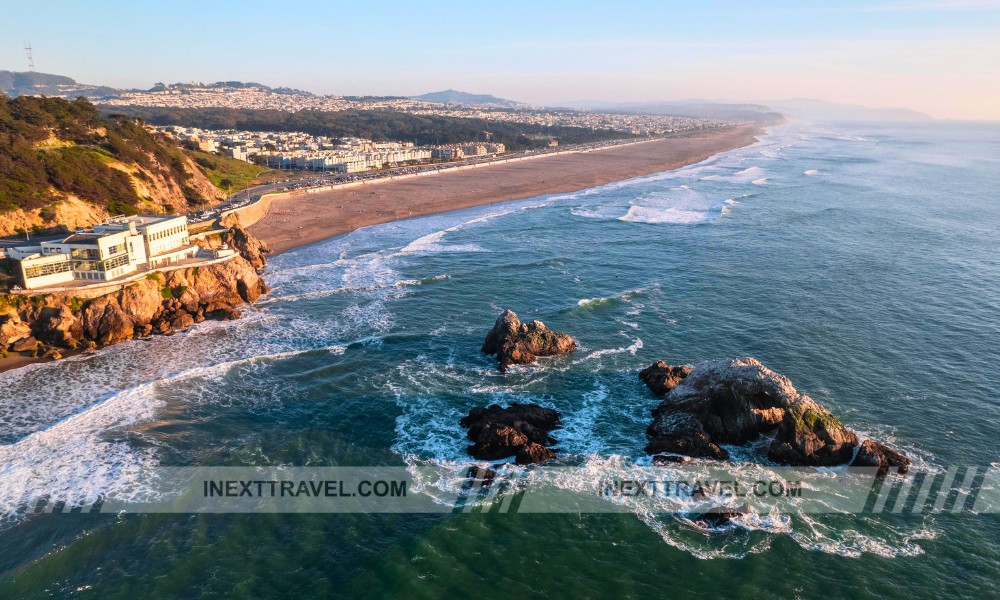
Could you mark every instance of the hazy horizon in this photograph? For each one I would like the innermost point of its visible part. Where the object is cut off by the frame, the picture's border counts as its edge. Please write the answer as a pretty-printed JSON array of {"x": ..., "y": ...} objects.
[{"x": 932, "y": 57}]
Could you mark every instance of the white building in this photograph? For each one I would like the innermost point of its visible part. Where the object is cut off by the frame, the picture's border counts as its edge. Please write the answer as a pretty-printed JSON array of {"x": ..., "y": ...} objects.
[{"x": 113, "y": 249}]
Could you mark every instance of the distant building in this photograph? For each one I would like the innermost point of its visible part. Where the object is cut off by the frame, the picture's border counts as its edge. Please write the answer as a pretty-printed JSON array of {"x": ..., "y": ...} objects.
[
  {"x": 112, "y": 249},
  {"x": 238, "y": 152}
]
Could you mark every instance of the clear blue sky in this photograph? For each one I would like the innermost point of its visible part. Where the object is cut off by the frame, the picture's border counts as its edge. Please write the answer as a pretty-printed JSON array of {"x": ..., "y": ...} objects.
[{"x": 940, "y": 57}]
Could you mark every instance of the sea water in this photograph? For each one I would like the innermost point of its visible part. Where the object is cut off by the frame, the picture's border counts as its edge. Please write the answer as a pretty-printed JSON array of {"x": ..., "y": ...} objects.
[{"x": 858, "y": 259}]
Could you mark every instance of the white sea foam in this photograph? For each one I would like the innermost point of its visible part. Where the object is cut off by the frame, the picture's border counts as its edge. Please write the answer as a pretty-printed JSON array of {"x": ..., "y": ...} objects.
[
  {"x": 434, "y": 242},
  {"x": 746, "y": 175},
  {"x": 632, "y": 349},
  {"x": 652, "y": 215},
  {"x": 810, "y": 172},
  {"x": 82, "y": 458},
  {"x": 760, "y": 181}
]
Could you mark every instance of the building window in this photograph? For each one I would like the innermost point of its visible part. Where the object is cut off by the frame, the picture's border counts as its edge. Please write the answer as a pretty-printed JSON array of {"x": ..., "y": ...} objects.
[{"x": 50, "y": 269}]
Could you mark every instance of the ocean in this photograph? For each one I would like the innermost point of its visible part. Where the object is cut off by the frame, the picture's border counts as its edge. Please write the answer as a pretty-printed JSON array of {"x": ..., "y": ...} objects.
[{"x": 858, "y": 259}]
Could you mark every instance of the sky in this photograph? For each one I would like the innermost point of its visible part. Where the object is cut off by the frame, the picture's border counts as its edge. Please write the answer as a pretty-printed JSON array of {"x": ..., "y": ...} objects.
[{"x": 935, "y": 56}]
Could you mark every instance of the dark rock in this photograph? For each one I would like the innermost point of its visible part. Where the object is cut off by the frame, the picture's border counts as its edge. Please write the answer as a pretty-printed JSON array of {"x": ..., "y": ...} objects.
[
  {"x": 719, "y": 516},
  {"x": 481, "y": 476},
  {"x": 532, "y": 420},
  {"x": 222, "y": 312},
  {"x": 736, "y": 401},
  {"x": 520, "y": 430},
  {"x": 661, "y": 377},
  {"x": 12, "y": 329},
  {"x": 105, "y": 322},
  {"x": 28, "y": 344},
  {"x": 669, "y": 459},
  {"x": 688, "y": 443},
  {"x": 873, "y": 454},
  {"x": 532, "y": 453},
  {"x": 58, "y": 327},
  {"x": 182, "y": 320},
  {"x": 516, "y": 343},
  {"x": 811, "y": 437},
  {"x": 497, "y": 441}
]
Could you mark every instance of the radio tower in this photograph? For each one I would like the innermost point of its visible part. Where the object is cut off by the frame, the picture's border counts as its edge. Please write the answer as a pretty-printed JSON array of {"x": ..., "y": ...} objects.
[{"x": 31, "y": 61}]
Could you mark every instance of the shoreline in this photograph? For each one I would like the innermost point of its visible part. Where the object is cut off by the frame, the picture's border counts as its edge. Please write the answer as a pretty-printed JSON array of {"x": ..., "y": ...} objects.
[{"x": 294, "y": 221}]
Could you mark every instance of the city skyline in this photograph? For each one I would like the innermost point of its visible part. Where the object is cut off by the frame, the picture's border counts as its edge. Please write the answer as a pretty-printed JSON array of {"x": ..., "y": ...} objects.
[{"x": 933, "y": 57}]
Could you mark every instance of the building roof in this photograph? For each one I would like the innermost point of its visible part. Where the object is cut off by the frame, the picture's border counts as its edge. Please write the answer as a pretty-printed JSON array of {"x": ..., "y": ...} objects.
[
  {"x": 142, "y": 219},
  {"x": 82, "y": 238}
]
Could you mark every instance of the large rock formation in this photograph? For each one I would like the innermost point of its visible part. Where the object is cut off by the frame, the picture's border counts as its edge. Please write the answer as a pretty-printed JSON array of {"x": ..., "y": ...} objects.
[
  {"x": 520, "y": 430},
  {"x": 162, "y": 302},
  {"x": 517, "y": 343},
  {"x": 735, "y": 401},
  {"x": 249, "y": 247}
]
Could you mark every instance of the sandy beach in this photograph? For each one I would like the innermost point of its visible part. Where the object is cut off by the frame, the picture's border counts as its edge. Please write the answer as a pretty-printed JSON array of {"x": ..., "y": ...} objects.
[{"x": 304, "y": 219}]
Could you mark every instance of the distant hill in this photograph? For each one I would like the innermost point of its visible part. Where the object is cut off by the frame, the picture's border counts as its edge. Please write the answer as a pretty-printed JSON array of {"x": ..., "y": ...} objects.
[
  {"x": 467, "y": 99},
  {"x": 25, "y": 83},
  {"x": 684, "y": 108},
  {"x": 13, "y": 80},
  {"x": 159, "y": 87},
  {"x": 821, "y": 109},
  {"x": 61, "y": 163}
]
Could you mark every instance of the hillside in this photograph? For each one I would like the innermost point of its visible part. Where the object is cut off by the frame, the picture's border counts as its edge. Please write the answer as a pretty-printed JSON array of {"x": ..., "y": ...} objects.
[{"x": 61, "y": 163}]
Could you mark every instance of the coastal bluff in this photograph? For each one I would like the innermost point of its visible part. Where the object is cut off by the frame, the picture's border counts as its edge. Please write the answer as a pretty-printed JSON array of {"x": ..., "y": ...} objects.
[{"x": 162, "y": 302}]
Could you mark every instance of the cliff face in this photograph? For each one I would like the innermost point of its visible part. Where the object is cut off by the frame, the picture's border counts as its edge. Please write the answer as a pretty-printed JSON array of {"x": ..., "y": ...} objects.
[{"x": 162, "y": 302}]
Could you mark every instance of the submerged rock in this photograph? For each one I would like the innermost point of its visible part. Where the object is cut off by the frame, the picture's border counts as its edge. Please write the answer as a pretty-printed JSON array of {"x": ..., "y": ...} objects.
[
  {"x": 516, "y": 343},
  {"x": 520, "y": 430},
  {"x": 734, "y": 402},
  {"x": 719, "y": 516}
]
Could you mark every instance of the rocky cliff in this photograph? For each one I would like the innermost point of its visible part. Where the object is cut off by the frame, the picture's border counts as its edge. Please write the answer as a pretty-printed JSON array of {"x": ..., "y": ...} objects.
[{"x": 160, "y": 303}]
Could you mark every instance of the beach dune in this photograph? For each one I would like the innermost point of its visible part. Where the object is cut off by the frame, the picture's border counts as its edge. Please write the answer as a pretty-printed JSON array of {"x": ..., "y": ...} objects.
[{"x": 298, "y": 220}]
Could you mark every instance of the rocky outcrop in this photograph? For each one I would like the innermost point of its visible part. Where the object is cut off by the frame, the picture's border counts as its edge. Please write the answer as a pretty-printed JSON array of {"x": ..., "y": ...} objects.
[
  {"x": 734, "y": 402},
  {"x": 249, "y": 247},
  {"x": 12, "y": 329},
  {"x": 661, "y": 377},
  {"x": 516, "y": 343},
  {"x": 874, "y": 454},
  {"x": 162, "y": 302},
  {"x": 719, "y": 516},
  {"x": 520, "y": 430}
]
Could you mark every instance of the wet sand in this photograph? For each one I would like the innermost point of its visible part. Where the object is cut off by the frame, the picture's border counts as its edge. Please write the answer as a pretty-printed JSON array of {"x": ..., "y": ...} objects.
[{"x": 303, "y": 219}]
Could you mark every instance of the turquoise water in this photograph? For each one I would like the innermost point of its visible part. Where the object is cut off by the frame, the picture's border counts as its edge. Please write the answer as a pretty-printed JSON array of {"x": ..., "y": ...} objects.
[{"x": 859, "y": 260}]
